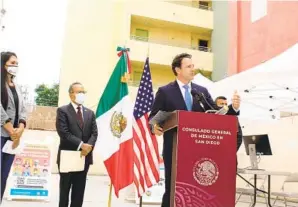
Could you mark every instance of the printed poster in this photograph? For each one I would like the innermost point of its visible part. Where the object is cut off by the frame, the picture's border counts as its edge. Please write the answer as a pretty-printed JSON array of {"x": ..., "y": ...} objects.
[{"x": 30, "y": 173}]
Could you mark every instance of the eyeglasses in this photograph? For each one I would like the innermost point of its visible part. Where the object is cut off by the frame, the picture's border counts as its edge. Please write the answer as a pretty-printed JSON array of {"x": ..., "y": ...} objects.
[{"x": 84, "y": 92}]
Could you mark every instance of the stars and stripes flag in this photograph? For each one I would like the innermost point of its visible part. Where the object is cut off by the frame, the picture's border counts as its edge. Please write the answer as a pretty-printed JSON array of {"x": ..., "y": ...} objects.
[{"x": 146, "y": 154}]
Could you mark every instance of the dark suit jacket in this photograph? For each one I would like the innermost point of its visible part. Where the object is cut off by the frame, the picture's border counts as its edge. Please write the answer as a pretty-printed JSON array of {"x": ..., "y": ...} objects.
[
  {"x": 70, "y": 132},
  {"x": 239, "y": 136},
  {"x": 169, "y": 98}
]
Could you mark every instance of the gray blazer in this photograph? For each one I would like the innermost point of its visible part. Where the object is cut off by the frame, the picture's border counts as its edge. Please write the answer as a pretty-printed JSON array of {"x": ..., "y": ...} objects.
[{"x": 11, "y": 109}]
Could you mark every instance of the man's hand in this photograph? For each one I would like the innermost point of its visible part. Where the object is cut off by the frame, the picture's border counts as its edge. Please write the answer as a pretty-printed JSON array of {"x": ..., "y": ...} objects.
[
  {"x": 157, "y": 130},
  {"x": 86, "y": 149},
  {"x": 84, "y": 153},
  {"x": 236, "y": 101}
]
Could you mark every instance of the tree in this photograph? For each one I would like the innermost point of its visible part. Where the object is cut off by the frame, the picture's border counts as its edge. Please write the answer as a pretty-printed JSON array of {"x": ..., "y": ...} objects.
[{"x": 47, "y": 96}]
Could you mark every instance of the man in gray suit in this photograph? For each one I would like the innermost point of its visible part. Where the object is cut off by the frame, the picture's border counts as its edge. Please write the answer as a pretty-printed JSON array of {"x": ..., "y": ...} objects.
[{"x": 76, "y": 126}]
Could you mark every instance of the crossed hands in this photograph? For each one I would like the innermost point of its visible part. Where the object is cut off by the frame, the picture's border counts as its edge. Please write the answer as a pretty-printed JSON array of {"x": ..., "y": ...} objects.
[
  {"x": 86, "y": 149},
  {"x": 15, "y": 136}
]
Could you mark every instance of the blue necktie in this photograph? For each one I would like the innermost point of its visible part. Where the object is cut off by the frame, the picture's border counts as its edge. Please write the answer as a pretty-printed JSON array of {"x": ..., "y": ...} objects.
[{"x": 187, "y": 97}]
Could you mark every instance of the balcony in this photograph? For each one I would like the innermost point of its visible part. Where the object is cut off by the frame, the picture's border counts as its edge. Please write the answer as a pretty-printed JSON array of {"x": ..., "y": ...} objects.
[
  {"x": 172, "y": 12},
  {"x": 205, "y": 5},
  {"x": 146, "y": 39},
  {"x": 162, "y": 52}
]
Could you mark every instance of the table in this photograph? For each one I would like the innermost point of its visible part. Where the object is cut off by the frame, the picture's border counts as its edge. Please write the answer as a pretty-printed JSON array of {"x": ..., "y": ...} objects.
[{"x": 263, "y": 172}]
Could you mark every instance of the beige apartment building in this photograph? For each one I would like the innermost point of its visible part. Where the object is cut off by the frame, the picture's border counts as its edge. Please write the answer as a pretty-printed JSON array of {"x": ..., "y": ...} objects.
[{"x": 160, "y": 29}]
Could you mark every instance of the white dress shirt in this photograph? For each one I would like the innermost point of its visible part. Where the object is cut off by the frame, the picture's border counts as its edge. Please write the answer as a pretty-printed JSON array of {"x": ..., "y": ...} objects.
[{"x": 75, "y": 106}]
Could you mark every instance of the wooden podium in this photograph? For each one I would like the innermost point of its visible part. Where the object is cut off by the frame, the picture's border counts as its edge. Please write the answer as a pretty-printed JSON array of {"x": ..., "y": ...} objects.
[{"x": 203, "y": 159}]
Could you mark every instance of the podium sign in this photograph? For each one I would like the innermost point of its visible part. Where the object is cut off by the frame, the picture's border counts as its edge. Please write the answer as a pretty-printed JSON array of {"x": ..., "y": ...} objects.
[{"x": 205, "y": 160}]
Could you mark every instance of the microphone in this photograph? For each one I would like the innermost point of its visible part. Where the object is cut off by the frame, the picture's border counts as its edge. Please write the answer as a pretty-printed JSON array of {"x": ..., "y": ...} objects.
[{"x": 197, "y": 96}]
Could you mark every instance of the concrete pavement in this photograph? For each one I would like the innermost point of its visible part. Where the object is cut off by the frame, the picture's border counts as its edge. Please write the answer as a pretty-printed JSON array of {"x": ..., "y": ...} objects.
[{"x": 96, "y": 195}]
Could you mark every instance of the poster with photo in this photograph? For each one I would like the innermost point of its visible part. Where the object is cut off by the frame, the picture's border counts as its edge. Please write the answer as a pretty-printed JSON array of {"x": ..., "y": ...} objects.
[{"x": 30, "y": 173}]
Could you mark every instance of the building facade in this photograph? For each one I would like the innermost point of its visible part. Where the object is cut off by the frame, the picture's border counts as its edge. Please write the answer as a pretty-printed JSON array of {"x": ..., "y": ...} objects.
[
  {"x": 159, "y": 29},
  {"x": 252, "y": 32}
]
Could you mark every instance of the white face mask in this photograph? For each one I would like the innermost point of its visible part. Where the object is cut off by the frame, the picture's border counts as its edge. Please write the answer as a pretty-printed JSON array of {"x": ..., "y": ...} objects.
[
  {"x": 80, "y": 98},
  {"x": 13, "y": 70}
]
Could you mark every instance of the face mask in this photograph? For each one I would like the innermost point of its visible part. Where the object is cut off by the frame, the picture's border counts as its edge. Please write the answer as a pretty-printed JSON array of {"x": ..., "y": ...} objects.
[
  {"x": 220, "y": 107},
  {"x": 13, "y": 70},
  {"x": 80, "y": 98}
]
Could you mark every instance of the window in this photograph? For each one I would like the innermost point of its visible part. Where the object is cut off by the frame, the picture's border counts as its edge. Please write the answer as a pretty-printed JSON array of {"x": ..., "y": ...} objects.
[
  {"x": 258, "y": 9},
  {"x": 203, "y": 45},
  {"x": 142, "y": 35},
  {"x": 204, "y": 5},
  {"x": 137, "y": 76}
]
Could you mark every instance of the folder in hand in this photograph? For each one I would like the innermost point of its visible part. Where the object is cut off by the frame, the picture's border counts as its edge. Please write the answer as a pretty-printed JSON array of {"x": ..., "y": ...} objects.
[
  {"x": 71, "y": 161},
  {"x": 7, "y": 148}
]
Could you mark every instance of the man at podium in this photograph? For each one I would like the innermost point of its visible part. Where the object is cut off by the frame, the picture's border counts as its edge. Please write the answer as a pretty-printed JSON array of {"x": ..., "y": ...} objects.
[{"x": 182, "y": 94}]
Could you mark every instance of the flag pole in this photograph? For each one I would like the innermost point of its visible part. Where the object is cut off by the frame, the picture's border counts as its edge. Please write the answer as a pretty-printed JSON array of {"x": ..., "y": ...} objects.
[
  {"x": 148, "y": 50},
  {"x": 141, "y": 201},
  {"x": 110, "y": 196}
]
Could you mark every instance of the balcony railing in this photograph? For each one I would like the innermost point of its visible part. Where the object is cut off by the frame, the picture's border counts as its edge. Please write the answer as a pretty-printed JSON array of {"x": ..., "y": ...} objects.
[
  {"x": 193, "y": 5},
  {"x": 189, "y": 46},
  {"x": 209, "y": 8},
  {"x": 202, "y": 48}
]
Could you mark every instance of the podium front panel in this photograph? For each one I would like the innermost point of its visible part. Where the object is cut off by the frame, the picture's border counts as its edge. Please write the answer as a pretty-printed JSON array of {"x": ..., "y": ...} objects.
[{"x": 205, "y": 160}]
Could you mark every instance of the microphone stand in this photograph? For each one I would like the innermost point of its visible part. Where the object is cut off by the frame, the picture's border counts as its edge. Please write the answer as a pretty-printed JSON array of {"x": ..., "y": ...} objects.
[
  {"x": 211, "y": 111},
  {"x": 211, "y": 107}
]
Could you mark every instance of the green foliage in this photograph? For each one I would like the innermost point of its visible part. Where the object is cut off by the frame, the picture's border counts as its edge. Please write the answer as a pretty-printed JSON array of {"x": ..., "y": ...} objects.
[{"x": 47, "y": 96}]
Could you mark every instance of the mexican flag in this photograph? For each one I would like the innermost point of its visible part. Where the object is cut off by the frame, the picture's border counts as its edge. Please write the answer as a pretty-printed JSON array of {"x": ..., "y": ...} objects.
[{"x": 114, "y": 117}]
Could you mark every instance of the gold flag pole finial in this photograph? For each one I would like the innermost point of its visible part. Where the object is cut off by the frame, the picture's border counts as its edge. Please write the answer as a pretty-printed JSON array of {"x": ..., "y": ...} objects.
[{"x": 125, "y": 78}]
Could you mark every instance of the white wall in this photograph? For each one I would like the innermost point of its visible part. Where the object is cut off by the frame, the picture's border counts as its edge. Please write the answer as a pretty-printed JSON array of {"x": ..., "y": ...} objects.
[{"x": 283, "y": 135}]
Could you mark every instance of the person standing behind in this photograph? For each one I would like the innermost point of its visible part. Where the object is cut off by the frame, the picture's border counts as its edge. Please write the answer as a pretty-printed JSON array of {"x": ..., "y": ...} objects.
[
  {"x": 221, "y": 101},
  {"x": 77, "y": 129},
  {"x": 13, "y": 113}
]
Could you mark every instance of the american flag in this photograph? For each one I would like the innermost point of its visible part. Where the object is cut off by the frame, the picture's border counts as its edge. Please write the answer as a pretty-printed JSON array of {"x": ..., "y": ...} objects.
[{"x": 146, "y": 155}]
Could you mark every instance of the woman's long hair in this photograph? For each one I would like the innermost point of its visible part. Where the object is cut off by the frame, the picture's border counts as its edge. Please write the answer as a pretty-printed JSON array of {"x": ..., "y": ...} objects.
[{"x": 5, "y": 56}]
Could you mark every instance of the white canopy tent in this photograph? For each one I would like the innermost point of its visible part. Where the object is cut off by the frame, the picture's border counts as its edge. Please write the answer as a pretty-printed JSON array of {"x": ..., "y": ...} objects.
[
  {"x": 268, "y": 90},
  {"x": 203, "y": 81}
]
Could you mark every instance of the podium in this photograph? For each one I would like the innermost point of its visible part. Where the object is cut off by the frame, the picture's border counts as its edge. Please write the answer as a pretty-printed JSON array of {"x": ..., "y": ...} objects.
[{"x": 203, "y": 159}]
